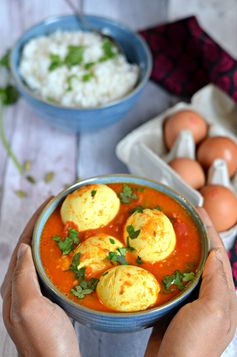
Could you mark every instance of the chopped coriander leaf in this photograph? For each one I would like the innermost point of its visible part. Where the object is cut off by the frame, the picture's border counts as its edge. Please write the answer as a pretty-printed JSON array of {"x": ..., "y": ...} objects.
[
  {"x": 89, "y": 65},
  {"x": 105, "y": 273},
  {"x": 5, "y": 60},
  {"x": 75, "y": 262},
  {"x": 139, "y": 260},
  {"x": 21, "y": 193},
  {"x": 31, "y": 179},
  {"x": 27, "y": 165},
  {"x": 8, "y": 95},
  {"x": 74, "y": 55},
  {"x": 129, "y": 246},
  {"x": 56, "y": 61},
  {"x": 109, "y": 51},
  {"x": 119, "y": 256},
  {"x": 188, "y": 276},
  {"x": 80, "y": 292},
  {"x": 81, "y": 273},
  {"x": 158, "y": 208},
  {"x": 138, "y": 209},
  {"x": 93, "y": 193},
  {"x": 132, "y": 233},
  {"x": 68, "y": 244},
  {"x": 112, "y": 241},
  {"x": 48, "y": 177},
  {"x": 141, "y": 189},
  {"x": 127, "y": 194},
  {"x": 86, "y": 77},
  {"x": 178, "y": 279},
  {"x": 69, "y": 82}
]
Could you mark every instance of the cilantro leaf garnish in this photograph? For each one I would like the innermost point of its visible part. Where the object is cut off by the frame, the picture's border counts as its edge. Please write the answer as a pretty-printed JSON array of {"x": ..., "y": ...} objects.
[
  {"x": 9, "y": 95},
  {"x": 129, "y": 246},
  {"x": 138, "y": 209},
  {"x": 89, "y": 65},
  {"x": 75, "y": 262},
  {"x": 127, "y": 194},
  {"x": 178, "y": 279},
  {"x": 87, "y": 76},
  {"x": 139, "y": 260},
  {"x": 158, "y": 208},
  {"x": 109, "y": 50},
  {"x": 5, "y": 60},
  {"x": 118, "y": 256},
  {"x": 132, "y": 233},
  {"x": 56, "y": 61},
  {"x": 74, "y": 55},
  {"x": 112, "y": 241},
  {"x": 85, "y": 288},
  {"x": 93, "y": 193},
  {"x": 68, "y": 244}
]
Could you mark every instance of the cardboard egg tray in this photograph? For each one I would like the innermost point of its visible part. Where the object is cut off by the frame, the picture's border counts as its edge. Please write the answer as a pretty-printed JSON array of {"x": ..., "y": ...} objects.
[{"x": 145, "y": 154}]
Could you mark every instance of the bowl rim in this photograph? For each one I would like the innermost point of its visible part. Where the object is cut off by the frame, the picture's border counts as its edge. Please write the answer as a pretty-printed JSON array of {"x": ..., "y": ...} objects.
[
  {"x": 83, "y": 182},
  {"x": 58, "y": 18}
]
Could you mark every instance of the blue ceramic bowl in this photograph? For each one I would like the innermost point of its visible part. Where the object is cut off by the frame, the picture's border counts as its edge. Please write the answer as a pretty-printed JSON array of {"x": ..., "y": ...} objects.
[
  {"x": 105, "y": 321},
  {"x": 77, "y": 119}
]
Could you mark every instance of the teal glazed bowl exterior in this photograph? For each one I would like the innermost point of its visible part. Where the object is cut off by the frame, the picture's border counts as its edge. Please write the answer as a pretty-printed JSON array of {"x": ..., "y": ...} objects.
[
  {"x": 106, "y": 321},
  {"x": 77, "y": 119}
]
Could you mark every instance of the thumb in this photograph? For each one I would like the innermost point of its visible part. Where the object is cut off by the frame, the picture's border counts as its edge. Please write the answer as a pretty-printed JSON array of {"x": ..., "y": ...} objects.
[{"x": 25, "y": 285}]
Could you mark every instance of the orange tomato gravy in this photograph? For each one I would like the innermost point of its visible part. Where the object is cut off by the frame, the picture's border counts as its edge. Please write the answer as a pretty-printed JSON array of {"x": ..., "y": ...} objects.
[{"x": 187, "y": 251}]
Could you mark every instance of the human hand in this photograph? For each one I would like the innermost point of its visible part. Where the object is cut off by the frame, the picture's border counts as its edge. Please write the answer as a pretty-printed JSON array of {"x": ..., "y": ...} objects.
[
  {"x": 206, "y": 326},
  {"x": 37, "y": 326}
]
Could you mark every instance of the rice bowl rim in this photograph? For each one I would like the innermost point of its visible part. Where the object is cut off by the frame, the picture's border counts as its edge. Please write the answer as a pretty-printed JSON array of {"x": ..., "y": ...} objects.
[{"x": 20, "y": 81}]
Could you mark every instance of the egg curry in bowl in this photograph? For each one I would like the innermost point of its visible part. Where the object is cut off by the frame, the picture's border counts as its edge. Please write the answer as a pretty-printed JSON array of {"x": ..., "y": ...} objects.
[{"x": 120, "y": 247}]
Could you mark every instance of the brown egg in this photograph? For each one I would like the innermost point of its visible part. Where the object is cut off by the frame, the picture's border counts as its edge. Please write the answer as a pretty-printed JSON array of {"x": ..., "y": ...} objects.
[
  {"x": 190, "y": 171},
  {"x": 218, "y": 147},
  {"x": 221, "y": 205},
  {"x": 184, "y": 119}
]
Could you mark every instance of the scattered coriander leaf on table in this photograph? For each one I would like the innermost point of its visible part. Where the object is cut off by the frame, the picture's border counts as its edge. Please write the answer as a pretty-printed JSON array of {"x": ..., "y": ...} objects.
[
  {"x": 48, "y": 177},
  {"x": 21, "y": 193}
]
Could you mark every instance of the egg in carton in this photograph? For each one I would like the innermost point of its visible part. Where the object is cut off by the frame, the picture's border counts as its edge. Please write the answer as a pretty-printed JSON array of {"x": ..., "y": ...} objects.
[{"x": 145, "y": 153}]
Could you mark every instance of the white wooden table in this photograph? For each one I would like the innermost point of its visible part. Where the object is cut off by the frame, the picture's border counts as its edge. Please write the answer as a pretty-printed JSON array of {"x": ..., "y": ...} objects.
[{"x": 70, "y": 155}]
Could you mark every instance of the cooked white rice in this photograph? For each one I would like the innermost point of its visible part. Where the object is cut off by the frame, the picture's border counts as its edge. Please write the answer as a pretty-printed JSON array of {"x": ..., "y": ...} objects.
[{"x": 75, "y": 86}]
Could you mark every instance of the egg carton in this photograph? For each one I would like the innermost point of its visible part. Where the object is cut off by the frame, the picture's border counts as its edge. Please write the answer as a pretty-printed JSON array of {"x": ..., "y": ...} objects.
[{"x": 145, "y": 153}]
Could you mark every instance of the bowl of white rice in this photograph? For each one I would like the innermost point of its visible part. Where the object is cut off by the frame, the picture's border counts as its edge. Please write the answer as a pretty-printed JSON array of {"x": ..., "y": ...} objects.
[{"x": 77, "y": 79}]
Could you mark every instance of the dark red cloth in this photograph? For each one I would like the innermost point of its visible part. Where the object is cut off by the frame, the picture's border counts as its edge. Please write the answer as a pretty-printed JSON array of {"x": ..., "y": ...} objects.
[{"x": 186, "y": 58}]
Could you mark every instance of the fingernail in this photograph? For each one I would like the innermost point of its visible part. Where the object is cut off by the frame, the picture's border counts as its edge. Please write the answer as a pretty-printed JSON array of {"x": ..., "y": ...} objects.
[{"x": 21, "y": 250}]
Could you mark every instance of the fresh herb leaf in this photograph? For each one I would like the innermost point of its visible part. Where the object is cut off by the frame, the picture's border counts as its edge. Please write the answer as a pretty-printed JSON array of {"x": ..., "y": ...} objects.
[
  {"x": 93, "y": 193},
  {"x": 48, "y": 177},
  {"x": 127, "y": 194},
  {"x": 85, "y": 288},
  {"x": 141, "y": 189},
  {"x": 105, "y": 273},
  {"x": 188, "y": 276},
  {"x": 69, "y": 82},
  {"x": 119, "y": 256},
  {"x": 68, "y": 244},
  {"x": 112, "y": 241},
  {"x": 74, "y": 55},
  {"x": 129, "y": 246},
  {"x": 132, "y": 233},
  {"x": 31, "y": 179},
  {"x": 138, "y": 209},
  {"x": 56, "y": 62},
  {"x": 27, "y": 165},
  {"x": 178, "y": 279},
  {"x": 86, "y": 77},
  {"x": 5, "y": 60},
  {"x": 158, "y": 208},
  {"x": 21, "y": 193},
  {"x": 109, "y": 51},
  {"x": 139, "y": 260},
  {"x": 89, "y": 65},
  {"x": 75, "y": 263},
  {"x": 9, "y": 95}
]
